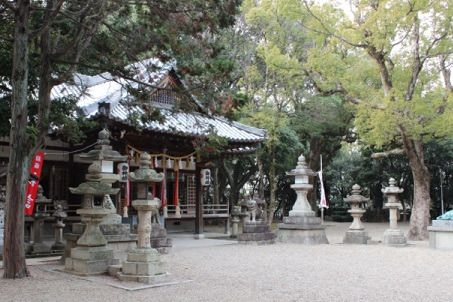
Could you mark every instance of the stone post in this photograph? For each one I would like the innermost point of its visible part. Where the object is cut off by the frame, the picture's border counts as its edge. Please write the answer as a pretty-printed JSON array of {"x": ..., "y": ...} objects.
[
  {"x": 356, "y": 232},
  {"x": 393, "y": 236},
  {"x": 144, "y": 210}
]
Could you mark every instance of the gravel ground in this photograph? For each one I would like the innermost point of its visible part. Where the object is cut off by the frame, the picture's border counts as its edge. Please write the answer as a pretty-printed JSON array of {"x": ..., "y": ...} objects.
[{"x": 222, "y": 271}]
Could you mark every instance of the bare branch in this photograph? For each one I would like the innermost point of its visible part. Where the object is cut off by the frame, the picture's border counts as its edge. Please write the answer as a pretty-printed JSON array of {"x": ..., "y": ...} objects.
[
  {"x": 49, "y": 18},
  {"x": 327, "y": 31},
  {"x": 379, "y": 155}
]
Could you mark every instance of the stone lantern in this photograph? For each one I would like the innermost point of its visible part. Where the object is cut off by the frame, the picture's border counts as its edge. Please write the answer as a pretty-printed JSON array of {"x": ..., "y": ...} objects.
[
  {"x": 105, "y": 157},
  {"x": 117, "y": 234},
  {"x": 143, "y": 263},
  {"x": 356, "y": 232},
  {"x": 302, "y": 226},
  {"x": 59, "y": 215},
  {"x": 91, "y": 255},
  {"x": 40, "y": 213},
  {"x": 301, "y": 186},
  {"x": 393, "y": 236}
]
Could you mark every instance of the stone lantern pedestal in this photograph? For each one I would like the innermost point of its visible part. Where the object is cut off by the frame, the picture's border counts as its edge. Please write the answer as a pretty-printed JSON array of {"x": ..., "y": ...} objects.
[
  {"x": 393, "y": 236},
  {"x": 143, "y": 263},
  {"x": 356, "y": 233},
  {"x": 255, "y": 229},
  {"x": 302, "y": 226}
]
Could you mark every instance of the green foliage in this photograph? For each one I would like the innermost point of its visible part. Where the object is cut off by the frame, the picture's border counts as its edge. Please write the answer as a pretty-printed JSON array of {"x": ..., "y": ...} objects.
[
  {"x": 211, "y": 146},
  {"x": 93, "y": 37},
  {"x": 371, "y": 57}
]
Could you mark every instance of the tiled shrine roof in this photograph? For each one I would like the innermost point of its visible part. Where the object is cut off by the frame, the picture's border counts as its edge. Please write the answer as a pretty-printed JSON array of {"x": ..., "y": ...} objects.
[{"x": 92, "y": 90}]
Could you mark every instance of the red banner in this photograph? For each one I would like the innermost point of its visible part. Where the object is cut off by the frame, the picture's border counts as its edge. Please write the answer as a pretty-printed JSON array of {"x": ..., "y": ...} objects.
[{"x": 33, "y": 182}]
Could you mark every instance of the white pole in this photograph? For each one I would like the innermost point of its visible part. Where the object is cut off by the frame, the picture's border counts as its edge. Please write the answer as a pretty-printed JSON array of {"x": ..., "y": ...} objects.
[
  {"x": 322, "y": 208},
  {"x": 441, "y": 175}
]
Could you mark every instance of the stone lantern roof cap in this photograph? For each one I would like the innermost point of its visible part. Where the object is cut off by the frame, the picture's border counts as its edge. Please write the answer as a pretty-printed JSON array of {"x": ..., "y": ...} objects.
[
  {"x": 355, "y": 196},
  {"x": 93, "y": 185},
  {"x": 103, "y": 150},
  {"x": 392, "y": 188},
  {"x": 144, "y": 173},
  {"x": 94, "y": 188},
  {"x": 301, "y": 168}
]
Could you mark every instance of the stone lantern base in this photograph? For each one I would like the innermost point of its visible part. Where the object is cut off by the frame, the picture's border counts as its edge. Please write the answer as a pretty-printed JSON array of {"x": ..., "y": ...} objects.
[
  {"x": 142, "y": 265},
  {"x": 356, "y": 237},
  {"x": 394, "y": 237},
  {"x": 256, "y": 232},
  {"x": 89, "y": 260},
  {"x": 118, "y": 236},
  {"x": 159, "y": 239},
  {"x": 302, "y": 229}
]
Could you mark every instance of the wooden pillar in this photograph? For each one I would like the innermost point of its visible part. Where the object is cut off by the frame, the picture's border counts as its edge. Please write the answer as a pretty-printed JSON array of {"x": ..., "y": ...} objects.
[
  {"x": 176, "y": 193},
  {"x": 198, "y": 204}
]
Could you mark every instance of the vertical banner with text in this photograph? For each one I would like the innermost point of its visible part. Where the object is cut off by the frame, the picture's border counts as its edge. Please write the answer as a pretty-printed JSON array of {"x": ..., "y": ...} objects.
[{"x": 33, "y": 182}]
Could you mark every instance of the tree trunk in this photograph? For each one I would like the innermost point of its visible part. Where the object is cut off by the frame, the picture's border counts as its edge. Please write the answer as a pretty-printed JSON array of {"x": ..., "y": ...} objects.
[
  {"x": 216, "y": 185},
  {"x": 419, "y": 220},
  {"x": 314, "y": 164},
  {"x": 261, "y": 177},
  {"x": 273, "y": 188},
  {"x": 18, "y": 165}
]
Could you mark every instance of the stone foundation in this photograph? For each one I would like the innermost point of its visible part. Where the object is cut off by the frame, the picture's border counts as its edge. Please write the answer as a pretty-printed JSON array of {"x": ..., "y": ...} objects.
[
  {"x": 356, "y": 237},
  {"x": 118, "y": 236},
  {"x": 86, "y": 261},
  {"x": 395, "y": 237},
  {"x": 142, "y": 265},
  {"x": 39, "y": 248},
  {"x": 302, "y": 229},
  {"x": 257, "y": 232}
]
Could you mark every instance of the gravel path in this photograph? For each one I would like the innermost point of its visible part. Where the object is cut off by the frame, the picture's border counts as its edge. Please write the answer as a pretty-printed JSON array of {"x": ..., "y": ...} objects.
[{"x": 280, "y": 272}]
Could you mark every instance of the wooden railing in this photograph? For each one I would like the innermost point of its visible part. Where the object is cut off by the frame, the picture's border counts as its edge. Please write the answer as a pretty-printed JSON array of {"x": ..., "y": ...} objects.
[
  {"x": 186, "y": 210},
  {"x": 209, "y": 211}
]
